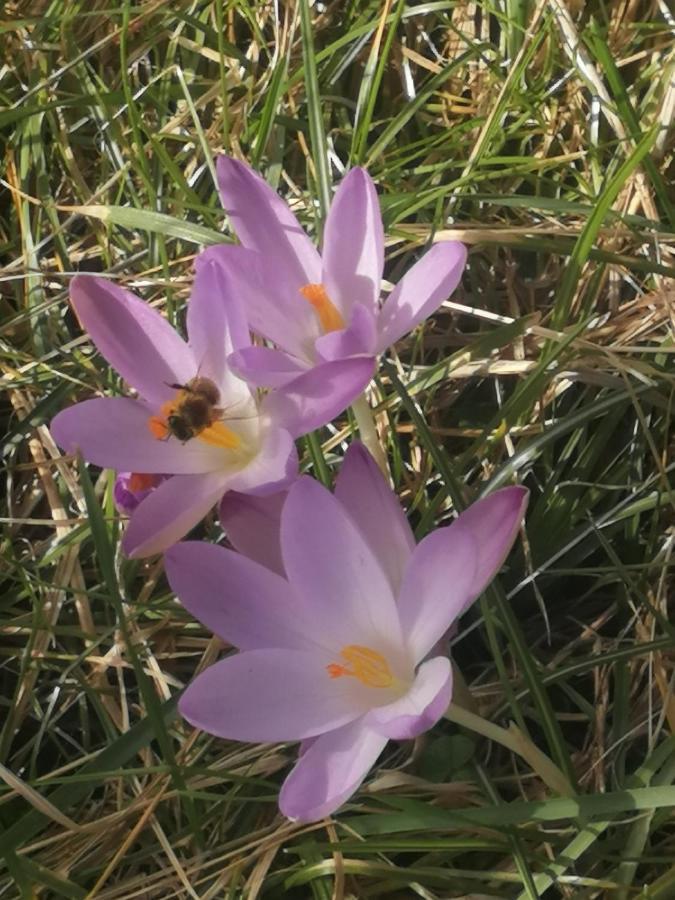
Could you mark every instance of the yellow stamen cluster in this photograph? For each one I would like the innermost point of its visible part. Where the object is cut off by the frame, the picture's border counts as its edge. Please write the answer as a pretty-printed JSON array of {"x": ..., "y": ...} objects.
[{"x": 363, "y": 663}]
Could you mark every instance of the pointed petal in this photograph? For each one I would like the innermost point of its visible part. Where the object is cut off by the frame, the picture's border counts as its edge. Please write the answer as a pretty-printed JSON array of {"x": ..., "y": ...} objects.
[
  {"x": 358, "y": 339},
  {"x": 247, "y": 605},
  {"x": 170, "y": 512},
  {"x": 421, "y": 291},
  {"x": 347, "y": 596},
  {"x": 374, "y": 508},
  {"x": 353, "y": 247},
  {"x": 437, "y": 585},
  {"x": 420, "y": 708},
  {"x": 452, "y": 566},
  {"x": 112, "y": 432},
  {"x": 268, "y": 695},
  {"x": 319, "y": 395},
  {"x": 216, "y": 326},
  {"x": 265, "y": 367},
  {"x": 263, "y": 222},
  {"x": 273, "y": 468},
  {"x": 133, "y": 337},
  {"x": 329, "y": 771},
  {"x": 494, "y": 522},
  {"x": 272, "y": 303},
  {"x": 252, "y": 525}
]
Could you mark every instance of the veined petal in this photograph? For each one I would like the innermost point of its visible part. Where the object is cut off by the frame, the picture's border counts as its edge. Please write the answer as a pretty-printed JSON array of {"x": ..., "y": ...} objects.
[
  {"x": 319, "y": 395},
  {"x": 171, "y": 511},
  {"x": 216, "y": 327},
  {"x": 265, "y": 367},
  {"x": 358, "y": 339},
  {"x": 374, "y": 508},
  {"x": 263, "y": 222},
  {"x": 133, "y": 337},
  {"x": 347, "y": 596},
  {"x": 271, "y": 301},
  {"x": 353, "y": 247},
  {"x": 244, "y": 603},
  {"x": 421, "y": 707},
  {"x": 437, "y": 585},
  {"x": 268, "y": 695},
  {"x": 329, "y": 771},
  {"x": 421, "y": 291},
  {"x": 253, "y": 524},
  {"x": 113, "y": 432}
]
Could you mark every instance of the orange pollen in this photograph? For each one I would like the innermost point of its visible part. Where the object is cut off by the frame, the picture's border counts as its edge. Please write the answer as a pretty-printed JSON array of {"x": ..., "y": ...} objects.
[
  {"x": 139, "y": 481},
  {"x": 328, "y": 314},
  {"x": 364, "y": 663},
  {"x": 158, "y": 426}
]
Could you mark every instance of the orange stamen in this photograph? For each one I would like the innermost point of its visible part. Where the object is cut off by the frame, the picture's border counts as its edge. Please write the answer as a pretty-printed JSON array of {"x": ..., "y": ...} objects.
[
  {"x": 220, "y": 435},
  {"x": 158, "y": 428},
  {"x": 329, "y": 315},
  {"x": 139, "y": 481},
  {"x": 364, "y": 663}
]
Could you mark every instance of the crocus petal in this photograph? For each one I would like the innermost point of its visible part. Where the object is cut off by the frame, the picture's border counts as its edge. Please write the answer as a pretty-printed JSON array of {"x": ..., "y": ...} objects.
[
  {"x": 421, "y": 291},
  {"x": 494, "y": 523},
  {"x": 216, "y": 326},
  {"x": 133, "y": 337},
  {"x": 112, "y": 432},
  {"x": 170, "y": 512},
  {"x": 421, "y": 707},
  {"x": 329, "y": 771},
  {"x": 364, "y": 493},
  {"x": 265, "y": 367},
  {"x": 359, "y": 338},
  {"x": 263, "y": 222},
  {"x": 274, "y": 307},
  {"x": 273, "y": 468},
  {"x": 437, "y": 584},
  {"x": 319, "y": 395},
  {"x": 347, "y": 596},
  {"x": 353, "y": 247},
  {"x": 268, "y": 695},
  {"x": 244, "y": 603},
  {"x": 252, "y": 526}
]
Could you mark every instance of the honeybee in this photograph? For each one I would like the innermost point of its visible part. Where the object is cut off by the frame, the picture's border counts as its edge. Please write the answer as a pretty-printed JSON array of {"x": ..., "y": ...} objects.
[{"x": 194, "y": 409}]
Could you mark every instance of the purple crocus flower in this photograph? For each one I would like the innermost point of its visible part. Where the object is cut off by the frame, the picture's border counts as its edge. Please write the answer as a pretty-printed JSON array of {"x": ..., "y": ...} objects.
[
  {"x": 319, "y": 308},
  {"x": 193, "y": 419},
  {"x": 337, "y": 630}
]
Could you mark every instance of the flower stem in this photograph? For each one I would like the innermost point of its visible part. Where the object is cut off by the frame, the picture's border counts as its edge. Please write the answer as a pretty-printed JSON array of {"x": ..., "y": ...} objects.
[
  {"x": 368, "y": 431},
  {"x": 514, "y": 739}
]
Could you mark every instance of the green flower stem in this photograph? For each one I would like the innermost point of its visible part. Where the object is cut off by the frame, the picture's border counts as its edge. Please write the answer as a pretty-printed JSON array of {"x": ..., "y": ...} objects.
[
  {"x": 514, "y": 740},
  {"x": 366, "y": 425}
]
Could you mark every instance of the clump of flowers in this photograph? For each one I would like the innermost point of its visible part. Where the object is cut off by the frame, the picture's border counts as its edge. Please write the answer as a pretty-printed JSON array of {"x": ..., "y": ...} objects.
[{"x": 337, "y": 615}]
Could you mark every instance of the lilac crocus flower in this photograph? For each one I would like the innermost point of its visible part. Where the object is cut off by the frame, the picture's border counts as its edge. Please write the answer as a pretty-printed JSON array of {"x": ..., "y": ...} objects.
[
  {"x": 193, "y": 419},
  {"x": 319, "y": 308},
  {"x": 337, "y": 629}
]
